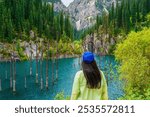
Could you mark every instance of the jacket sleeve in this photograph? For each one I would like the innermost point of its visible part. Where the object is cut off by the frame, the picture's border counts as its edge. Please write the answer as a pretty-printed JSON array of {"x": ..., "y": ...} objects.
[
  {"x": 104, "y": 88},
  {"x": 76, "y": 87}
]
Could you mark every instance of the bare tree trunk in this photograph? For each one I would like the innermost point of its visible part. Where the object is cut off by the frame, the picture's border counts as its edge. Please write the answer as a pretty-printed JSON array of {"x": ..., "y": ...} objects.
[
  {"x": 47, "y": 65},
  {"x": 36, "y": 65},
  {"x": 52, "y": 69},
  {"x": 6, "y": 70},
  {"x": 57, "y": 61},
  {"x": 41, "y": 68},
  {"x": 14, "y": 79},
  {"x": 31, "y": 63},
  {"x": 47, "y": 73},
  {"x": 11, "y": 76},
  {"x": 15, "y": 70},
  {"x": 0, "y": 85}
]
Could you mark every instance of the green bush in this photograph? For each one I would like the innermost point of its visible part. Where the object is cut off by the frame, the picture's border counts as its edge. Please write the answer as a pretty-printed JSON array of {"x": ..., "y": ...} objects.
[
  {"x": 134, "y": 56},
  {"x": 136, "y": 94},
  {"x": 60, "y": 96}
]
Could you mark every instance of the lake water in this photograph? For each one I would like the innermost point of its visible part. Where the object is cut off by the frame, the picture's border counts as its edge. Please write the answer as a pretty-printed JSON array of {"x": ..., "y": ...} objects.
[{"x": 67, "y": 69}]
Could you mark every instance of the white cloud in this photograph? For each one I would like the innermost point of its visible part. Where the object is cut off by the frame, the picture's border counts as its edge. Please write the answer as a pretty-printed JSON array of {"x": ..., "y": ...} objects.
[{"x": 67, "y": 2}]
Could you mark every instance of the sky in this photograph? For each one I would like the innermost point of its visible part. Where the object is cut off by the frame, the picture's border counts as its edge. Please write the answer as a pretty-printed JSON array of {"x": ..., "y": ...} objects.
[{"x": 67, "y": 2}]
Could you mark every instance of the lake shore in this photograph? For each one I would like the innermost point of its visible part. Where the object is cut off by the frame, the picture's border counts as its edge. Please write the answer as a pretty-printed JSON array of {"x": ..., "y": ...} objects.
[
  {"x": 24, "y": 50},
  {"x": 50, "y": 58}
]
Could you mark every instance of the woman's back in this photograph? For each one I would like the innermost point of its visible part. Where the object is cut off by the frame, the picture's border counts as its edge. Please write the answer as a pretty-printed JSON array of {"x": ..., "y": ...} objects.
[{"x": 80, "y": 90}]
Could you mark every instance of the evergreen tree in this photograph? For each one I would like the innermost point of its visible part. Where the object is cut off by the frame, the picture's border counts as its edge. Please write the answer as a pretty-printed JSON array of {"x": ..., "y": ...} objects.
[
  {"x": 1, "y": 20},
  {"x": 127, "y": 21},
  {"x": 61, "y": 23},
  {"x": 133, "y": 13},
  {"x": 138, "y": 13},
  {"x": 144, "y": 10}
]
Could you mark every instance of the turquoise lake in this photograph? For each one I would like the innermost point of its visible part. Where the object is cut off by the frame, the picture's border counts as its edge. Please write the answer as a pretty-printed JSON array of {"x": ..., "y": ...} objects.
[{"x": 67, "y": 69}]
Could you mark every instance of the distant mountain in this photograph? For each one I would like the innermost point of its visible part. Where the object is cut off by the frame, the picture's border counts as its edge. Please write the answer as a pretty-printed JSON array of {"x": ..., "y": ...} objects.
[
  {"x": 83, "y": 12},
  {"x": 58, "y": 5}
]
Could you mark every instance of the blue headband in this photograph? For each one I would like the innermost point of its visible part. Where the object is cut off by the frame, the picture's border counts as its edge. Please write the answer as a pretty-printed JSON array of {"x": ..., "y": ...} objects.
[{"x": 88, "y": 57}]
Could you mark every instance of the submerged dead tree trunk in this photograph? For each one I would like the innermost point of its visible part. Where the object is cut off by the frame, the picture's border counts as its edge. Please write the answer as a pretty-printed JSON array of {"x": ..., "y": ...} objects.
[
  {"x": 30, "y": 60},
  {"x": 14, "y": 73},
  {"x": 14, "y": 68},
  {"x": 41, "y": 71},
  {"x": 56, "y": 61},
  {"x": 11, "y": 73},
  {"x": 52, "y": 68},
  {"x": 36, "y": 64},
  {"x": 47, "y": 65},
  {"x": 6, "y": 71},
  {"x": 58, "y": 36}
]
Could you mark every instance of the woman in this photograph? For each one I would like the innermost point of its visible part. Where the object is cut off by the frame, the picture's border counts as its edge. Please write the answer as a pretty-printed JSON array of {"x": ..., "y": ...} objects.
[{"x": 90, "y": 83}]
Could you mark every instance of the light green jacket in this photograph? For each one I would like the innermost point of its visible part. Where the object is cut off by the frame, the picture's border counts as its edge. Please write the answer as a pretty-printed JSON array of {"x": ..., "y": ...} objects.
[{"x": 81, "y": 92}]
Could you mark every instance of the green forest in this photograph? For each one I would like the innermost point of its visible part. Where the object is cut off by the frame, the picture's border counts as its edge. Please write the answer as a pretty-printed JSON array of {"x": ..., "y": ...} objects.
[
  {"x": 17, "y": 18},
  {"x": 127, "y": 23},
  {"x": 126, "y": 16}
]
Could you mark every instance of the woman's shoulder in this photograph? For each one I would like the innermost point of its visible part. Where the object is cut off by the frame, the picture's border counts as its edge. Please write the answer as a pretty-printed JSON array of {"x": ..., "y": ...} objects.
[
  {"x": 103, "y": 77},
  {"x": 79, "y": 72},
  {"x": 79, "y": 75},
  {"x": 101, "y": 72}
]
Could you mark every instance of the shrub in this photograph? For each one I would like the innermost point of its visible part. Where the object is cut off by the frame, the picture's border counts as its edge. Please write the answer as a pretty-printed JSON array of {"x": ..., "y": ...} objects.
[
  {"x": 61, "y": 96},
  {"x": 134, "y": 56}
]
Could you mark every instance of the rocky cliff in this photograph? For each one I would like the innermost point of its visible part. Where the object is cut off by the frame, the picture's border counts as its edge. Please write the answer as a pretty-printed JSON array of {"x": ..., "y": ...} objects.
[
  {"x": 83, "y": 12},
  {"x": 58, "y": 5}
]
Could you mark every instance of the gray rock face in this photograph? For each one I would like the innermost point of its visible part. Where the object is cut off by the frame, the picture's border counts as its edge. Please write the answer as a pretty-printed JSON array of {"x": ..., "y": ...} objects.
[
  {"x": 83, "y": 13},
  {"x": 59, "y": 6}
]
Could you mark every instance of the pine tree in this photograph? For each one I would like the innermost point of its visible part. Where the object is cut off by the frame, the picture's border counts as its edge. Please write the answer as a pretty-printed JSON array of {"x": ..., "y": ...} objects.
[
  {"x": 127, "y": 21},
  {"x": 9, "y": 28},
  {"x": 144, "y": 10},
  {"x": 138, "y": 13},
  {"x": 147, "y": 2},
  {"x": 133, "y": 13},
  {"x": 1, "y": 20},
  {"x": 61, "y": 23}
]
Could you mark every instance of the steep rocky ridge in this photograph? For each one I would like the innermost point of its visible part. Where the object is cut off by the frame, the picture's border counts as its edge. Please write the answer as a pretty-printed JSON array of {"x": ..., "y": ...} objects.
[{"x": 83, "y": 12}]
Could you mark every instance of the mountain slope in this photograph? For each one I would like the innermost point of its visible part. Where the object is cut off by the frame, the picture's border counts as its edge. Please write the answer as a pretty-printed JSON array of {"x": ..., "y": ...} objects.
[
  {"x": 58, "y": 5},
  {"x": 83, "y": 13}
]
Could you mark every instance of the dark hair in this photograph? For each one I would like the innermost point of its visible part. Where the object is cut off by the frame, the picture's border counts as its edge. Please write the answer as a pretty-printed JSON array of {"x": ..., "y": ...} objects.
[{"x": 92, "y": 75}]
